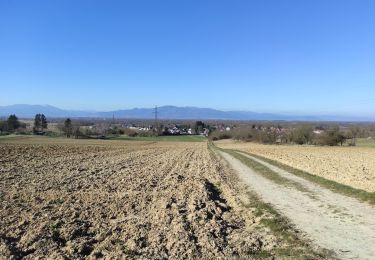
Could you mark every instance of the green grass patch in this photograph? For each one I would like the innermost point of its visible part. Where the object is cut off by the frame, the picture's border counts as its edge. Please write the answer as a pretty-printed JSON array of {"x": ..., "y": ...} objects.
[
  {"x": 50, "y": 139},
  {"x": 171, "y": 138},
  {"x": 9, "y": 136},
  {"x": 13, "y": 137},
  {"x": 336, "y": 187},
  {"x": 364, "y": 142}
]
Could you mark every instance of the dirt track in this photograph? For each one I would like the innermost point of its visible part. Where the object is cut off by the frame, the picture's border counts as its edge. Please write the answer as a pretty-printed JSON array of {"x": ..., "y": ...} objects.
[
  {"x": 132, "y": 200},
  {"x": 332, "y": 221},
  {"x": 353, "y": 166}
]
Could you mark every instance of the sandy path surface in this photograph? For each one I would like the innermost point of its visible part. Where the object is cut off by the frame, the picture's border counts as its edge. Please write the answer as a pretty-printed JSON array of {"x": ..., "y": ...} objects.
[{"x": 330, "y": 220}]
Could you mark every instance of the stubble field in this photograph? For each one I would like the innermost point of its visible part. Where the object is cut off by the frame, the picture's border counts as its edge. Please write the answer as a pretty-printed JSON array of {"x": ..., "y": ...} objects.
[
  {"x": 89, "y": 199},
  {"x": 352, "y": 166}
]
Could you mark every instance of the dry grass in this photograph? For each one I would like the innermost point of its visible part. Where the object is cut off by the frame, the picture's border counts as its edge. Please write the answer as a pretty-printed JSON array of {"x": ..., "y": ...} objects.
[{"x": 352, "y": 166}]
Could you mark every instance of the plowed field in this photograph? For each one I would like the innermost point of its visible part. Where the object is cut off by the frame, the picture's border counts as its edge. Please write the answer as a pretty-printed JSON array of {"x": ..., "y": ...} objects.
[{"x": 121, "y": 199}]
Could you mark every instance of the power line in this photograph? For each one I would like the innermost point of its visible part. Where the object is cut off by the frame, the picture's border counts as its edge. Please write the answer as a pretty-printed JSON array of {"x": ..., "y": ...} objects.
[{"x": 156, "y": 119}]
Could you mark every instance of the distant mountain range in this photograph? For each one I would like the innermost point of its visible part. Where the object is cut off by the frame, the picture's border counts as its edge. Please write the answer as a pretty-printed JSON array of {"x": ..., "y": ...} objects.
[{"x": 164, "y": 112}]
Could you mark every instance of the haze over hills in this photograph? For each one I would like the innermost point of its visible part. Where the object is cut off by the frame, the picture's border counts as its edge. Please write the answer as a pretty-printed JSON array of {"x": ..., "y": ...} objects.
[{"x": 165, "y": 112}]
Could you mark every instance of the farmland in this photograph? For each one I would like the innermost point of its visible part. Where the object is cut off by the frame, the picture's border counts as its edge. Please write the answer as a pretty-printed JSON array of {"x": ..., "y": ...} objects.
[
  {"x": 103, "y": 198},
  {"x": 175, "y": 138},
  {"x": 352, "y": 166},
  {"x": 32, "y": 139}
]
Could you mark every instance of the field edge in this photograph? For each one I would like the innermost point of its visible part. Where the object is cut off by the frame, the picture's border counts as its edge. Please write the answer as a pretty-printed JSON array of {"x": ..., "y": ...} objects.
[
  {"x": 361, "y": 195},
  {"x": 280, "y": 225}
]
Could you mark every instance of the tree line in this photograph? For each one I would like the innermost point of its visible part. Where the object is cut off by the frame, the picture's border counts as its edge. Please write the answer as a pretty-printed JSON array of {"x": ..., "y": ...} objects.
[
  {"x": 302, "y": 134},
  {"x": 13, "y": 125}
]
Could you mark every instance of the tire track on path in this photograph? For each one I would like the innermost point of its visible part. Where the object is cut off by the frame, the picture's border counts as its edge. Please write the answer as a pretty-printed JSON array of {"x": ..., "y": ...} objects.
[{"x": 332, "y": 221}]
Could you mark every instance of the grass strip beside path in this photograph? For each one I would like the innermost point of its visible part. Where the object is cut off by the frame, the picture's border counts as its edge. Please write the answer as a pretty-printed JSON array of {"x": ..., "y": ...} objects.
[{"x": 336, "y": 187}]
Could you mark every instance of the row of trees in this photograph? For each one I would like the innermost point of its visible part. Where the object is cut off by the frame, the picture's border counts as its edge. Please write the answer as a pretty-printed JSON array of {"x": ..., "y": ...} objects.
[
  {"x": 328, "y": 136},
  {"x": 40, "y": 125},
  {"x": 13, "y": 124},
  {"x": 303, "y": 134}
]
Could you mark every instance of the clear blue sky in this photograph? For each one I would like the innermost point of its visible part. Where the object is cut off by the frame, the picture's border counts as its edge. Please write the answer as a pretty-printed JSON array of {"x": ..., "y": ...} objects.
[{"x": 268, "y": 56}]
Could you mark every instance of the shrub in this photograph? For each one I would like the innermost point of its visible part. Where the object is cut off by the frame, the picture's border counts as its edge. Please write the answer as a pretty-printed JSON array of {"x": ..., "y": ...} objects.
[
  {"x": 302, "y": 135},
  {"x": 130, "y": 132},
  {"x": 217, "y": 135},
  {"x": 146, "y": 133},
  {"x": 331, "y": 137}
]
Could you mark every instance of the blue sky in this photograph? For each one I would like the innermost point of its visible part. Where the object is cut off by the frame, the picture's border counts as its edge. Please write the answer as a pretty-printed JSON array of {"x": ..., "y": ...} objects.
[{"x": 297, "y": 57}]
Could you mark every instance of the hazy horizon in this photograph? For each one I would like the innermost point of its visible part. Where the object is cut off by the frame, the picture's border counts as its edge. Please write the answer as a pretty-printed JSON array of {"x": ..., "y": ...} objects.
[
  {"x": 287, "y": 57},
  {"x": 177, "y": 112}
]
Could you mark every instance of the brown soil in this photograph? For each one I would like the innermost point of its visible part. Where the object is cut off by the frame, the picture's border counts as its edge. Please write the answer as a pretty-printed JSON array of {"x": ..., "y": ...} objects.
[{"x": 125, "y": 199}]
